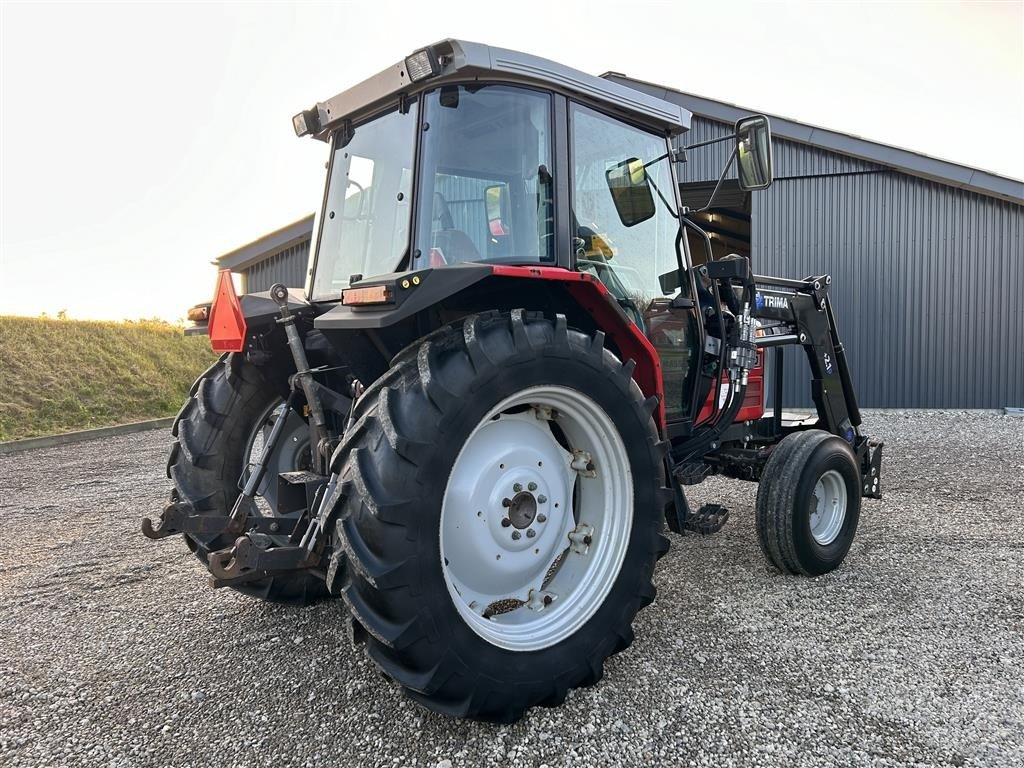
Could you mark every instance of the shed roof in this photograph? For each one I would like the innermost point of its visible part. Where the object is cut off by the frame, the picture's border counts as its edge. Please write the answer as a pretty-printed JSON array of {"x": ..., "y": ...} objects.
[
  {"x": 269, "y": 244},
  {"x": 913, "y": 163}
]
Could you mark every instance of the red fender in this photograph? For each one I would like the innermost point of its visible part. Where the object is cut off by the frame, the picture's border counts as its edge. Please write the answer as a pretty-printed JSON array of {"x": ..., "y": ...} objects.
[{"x": 592, "y": 295}]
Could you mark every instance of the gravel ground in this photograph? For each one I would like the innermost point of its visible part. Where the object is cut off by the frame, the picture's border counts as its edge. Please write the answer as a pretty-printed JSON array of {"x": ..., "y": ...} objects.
[{"x": 115, "y": 652}]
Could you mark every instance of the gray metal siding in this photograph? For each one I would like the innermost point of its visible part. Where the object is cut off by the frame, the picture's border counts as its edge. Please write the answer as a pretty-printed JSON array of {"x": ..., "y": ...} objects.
[
  {"x": 287, "y": 266},
  {"x": 927, "y": 281},
  {"x": 927, "y": 278}
]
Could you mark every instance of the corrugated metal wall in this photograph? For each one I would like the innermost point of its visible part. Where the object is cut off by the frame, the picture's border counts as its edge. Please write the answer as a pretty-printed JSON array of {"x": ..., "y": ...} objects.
[
  {"x": 288, "y": 267},
  {"x": 927, "y": 279}
]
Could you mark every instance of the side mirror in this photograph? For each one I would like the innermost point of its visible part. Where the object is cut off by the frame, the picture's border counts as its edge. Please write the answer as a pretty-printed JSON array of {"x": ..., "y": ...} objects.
[
  {"x": 496, "y": 204},
  {"x": 754, "y": 152},
  {"x": 631, "y": 192}
]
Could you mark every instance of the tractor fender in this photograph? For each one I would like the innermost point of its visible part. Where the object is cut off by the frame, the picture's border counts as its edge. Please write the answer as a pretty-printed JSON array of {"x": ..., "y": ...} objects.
[{"x": 591, "y": 294}]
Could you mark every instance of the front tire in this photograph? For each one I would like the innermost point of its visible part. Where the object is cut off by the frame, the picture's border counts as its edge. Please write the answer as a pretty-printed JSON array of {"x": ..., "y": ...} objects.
[
  {"x": 470, "y": 619},
  {"x": 808, "y": 503}
]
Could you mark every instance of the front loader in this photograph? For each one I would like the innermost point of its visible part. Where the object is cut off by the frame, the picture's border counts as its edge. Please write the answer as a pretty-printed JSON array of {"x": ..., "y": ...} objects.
[{"x": 474, "y": 421}]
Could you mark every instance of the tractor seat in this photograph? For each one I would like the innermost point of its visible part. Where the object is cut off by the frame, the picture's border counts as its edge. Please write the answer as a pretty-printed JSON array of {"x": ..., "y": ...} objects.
[{"x": 455, "y": 246}]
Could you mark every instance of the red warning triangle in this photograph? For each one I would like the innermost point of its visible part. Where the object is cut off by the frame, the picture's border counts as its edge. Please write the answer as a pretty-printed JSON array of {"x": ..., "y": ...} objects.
[{"x": 227, "y": 324}]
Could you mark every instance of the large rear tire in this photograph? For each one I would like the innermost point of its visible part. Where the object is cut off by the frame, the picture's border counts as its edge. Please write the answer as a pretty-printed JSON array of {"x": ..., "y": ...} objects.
[
  {"x": 214, "y": 432},
  {"x": 484, "y": 574}
]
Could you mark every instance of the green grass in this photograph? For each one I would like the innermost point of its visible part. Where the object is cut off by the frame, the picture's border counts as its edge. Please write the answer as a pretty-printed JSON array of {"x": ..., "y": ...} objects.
[{"x": 64, "y": 375}]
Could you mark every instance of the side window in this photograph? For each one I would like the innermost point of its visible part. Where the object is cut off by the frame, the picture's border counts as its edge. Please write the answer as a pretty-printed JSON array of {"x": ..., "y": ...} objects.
[{"x": 636, "y": 261}]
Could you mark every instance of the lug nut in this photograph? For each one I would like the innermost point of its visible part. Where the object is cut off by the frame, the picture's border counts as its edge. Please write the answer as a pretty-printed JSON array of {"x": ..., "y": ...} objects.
[
  {"x": 542, "y": 518},
  {"x": 541, "y": 499},
  {"x": 517, "y": 487},
  {"x": 530, "y": 533},
  {"x": 531, "y": 487},
  {"x": 516, "y": 535},
  {"x": 505, "y": 522},
  {"x": 506, "y": 502}
]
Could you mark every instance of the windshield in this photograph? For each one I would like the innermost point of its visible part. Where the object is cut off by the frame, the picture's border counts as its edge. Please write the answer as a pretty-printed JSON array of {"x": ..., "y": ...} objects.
[
  {"x": 364, "y": 227},
  {"x": 486, "y": 190}
]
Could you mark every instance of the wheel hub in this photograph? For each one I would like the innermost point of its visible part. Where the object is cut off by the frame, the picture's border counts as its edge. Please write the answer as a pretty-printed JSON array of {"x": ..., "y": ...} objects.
[
  {"x": 522, "y": 509},
  {"x": 828, "y": 507}
]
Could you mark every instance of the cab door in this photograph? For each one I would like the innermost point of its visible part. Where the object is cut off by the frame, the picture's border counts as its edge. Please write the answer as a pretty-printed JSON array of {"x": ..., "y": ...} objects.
[{"x": 625, "y": 232}]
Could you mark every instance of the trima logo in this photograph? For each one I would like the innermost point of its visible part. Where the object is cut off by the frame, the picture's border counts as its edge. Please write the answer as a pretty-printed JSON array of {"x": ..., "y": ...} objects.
[{"x": 770, "y": 301}]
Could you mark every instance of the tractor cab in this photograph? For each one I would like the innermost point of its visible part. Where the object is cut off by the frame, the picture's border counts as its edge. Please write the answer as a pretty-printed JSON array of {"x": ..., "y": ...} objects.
[{"x": 519, "y": 165}]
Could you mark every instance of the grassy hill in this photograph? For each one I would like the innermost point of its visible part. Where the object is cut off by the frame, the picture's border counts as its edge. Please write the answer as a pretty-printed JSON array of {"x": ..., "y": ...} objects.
[{"x": 62, "y": 375}]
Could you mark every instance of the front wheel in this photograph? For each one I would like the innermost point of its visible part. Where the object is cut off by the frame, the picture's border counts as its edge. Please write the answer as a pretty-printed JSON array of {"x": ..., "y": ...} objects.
[
  {"x": 502, "y": 514},
  {"x": 808, "y": 503}
]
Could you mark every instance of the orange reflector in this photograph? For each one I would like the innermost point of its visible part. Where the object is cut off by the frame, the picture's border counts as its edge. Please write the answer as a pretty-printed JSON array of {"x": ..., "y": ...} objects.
[
  {"x": 227, "y": 323},
  {"x": 374, "y": 294},
  {"x": 199, "y": 314}
]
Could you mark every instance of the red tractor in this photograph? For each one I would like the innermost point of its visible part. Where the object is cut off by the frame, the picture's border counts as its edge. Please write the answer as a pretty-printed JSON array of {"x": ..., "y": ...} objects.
[{"x": 504, "y": 371}]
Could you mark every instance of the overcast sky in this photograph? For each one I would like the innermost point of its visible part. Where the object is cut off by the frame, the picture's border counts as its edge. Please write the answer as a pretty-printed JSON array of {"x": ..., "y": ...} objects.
[{"x": 141, "y": 141}]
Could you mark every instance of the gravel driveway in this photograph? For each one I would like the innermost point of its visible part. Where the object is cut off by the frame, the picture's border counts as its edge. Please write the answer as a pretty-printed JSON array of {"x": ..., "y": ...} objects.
[{"x": 113, "y": 651}]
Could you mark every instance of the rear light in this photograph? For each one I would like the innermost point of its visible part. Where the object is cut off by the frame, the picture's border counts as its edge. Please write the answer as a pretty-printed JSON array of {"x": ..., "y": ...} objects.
[
  {"x": 373, "y": 294},
  {"x": 227, "y": 323},
  {"x": 422, "y": 64},
  {"x": 199, "y": 314}
]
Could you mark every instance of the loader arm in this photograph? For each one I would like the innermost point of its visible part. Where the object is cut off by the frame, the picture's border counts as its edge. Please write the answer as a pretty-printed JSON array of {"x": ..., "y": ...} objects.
[{"x": 798, "y": 313}]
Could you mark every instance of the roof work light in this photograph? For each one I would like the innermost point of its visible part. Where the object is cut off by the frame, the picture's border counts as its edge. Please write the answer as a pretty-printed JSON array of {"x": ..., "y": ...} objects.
[
  {"x": 422, "y": 64},
  {"x": 306, "y": 122}
]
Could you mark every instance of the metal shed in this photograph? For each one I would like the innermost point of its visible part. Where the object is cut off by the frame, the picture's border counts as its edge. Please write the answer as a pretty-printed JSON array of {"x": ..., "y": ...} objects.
[{"x": 927, "y": 256}]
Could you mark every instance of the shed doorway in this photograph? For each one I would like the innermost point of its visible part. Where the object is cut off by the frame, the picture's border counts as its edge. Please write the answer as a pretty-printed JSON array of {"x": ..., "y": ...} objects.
[{"x": 727, "y": 222}]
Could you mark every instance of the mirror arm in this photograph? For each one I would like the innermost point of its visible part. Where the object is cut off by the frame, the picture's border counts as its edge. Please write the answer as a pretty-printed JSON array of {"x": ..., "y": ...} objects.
[
  {"x": 730, "y": 137},
  {"x": 671, "y": 208},
  {"x": 718, "y": 186}
]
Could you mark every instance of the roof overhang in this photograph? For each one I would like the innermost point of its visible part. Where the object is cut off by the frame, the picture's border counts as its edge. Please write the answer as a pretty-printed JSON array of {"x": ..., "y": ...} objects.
[
  {"x": 460, "y": 60},
  {"x": 268, "y": 245},
  {"x": 912, "y": 163}
]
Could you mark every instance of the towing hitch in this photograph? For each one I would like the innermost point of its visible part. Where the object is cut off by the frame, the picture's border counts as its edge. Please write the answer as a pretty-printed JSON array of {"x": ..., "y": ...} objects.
[{"x": 255, "y": 555}]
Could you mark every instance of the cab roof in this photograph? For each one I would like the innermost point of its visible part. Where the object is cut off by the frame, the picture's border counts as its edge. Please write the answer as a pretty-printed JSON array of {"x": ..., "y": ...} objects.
[{"x": 459, "y": 61}]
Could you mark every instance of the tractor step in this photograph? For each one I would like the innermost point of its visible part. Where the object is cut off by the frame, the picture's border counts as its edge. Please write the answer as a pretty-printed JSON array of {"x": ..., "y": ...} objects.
[
  {"x": 691, "y": 472},
  {"x": 709, "y": 519}
]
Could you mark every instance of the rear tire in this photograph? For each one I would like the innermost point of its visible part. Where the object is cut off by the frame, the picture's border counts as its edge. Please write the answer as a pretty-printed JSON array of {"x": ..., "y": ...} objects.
[
  {"x": 213, "y": 430},
  {"x": 397, "y": 468},
  {"x": 808, "y": 503}
]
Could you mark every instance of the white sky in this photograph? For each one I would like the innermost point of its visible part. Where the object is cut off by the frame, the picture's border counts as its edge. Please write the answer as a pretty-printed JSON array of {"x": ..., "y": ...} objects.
[{"x": 141, "y": 141}]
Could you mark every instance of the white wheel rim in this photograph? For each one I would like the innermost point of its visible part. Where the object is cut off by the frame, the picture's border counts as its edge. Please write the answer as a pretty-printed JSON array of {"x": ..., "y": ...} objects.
[
  {"x": 535, "y": 580},
  {"x": 828, "y": 507}
]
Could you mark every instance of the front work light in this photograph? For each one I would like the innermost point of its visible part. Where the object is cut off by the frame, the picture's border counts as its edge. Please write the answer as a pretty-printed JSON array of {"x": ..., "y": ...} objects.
[
  {"x": 306, "y": 122},
  {"x": 422, "y": 64}
]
